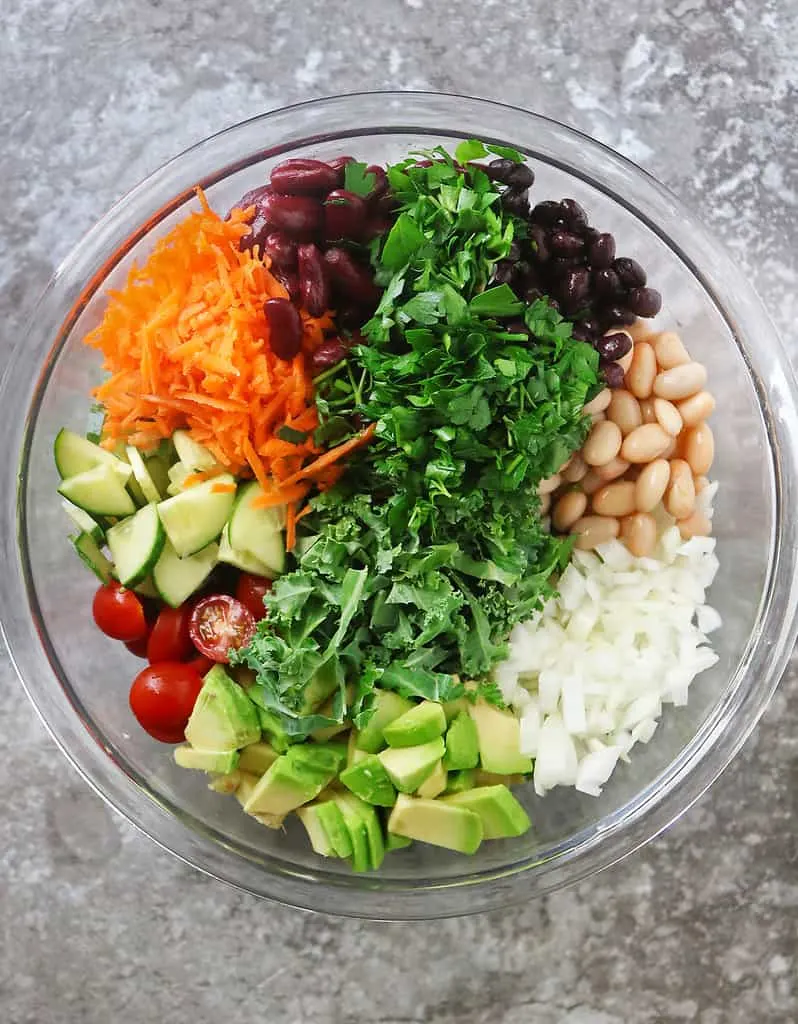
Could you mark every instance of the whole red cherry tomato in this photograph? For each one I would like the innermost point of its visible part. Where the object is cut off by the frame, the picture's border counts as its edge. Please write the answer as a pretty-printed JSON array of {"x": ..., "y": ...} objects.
[
  {"x": 119, "y": 613},
  {"x": 250, "y": 592},
  {"x": 162, "y": 697},
  {"x": 170, "y": 639}
]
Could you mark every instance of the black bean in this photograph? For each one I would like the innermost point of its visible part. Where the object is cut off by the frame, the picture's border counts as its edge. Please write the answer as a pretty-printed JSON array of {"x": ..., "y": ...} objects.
[
  {"x": 590, "y": 325},
  {"x": 546, "y": 213},
  {"x": 613, "y": 374},
  {"x": 516, "y": 202},
  {"x": 573, "y": 215},
  {"x": 499, "y": 169},
  {"x": 521, "y": 176},
  {"x": 504, "y": 272},
  {"x": 514, "y": 254},
  {"x": 540, "y": 244},
  {"x": 590, "y": 235},
  {"x": 581, "y": 334},
  {"x": 644, "y": 301},
  {"x": 602, "y": 251},
  {"x": 629, "y": 271},
  {"x": 517, "y": 327},
  {"x": 574, "y": 286},
  {"x": 618, "y": 315},
  {"x": 560, "y": 265},
  {"x": 532, "y": 293},
  {"x": 564, "y": 243},
  {"x": 613, "y": 347},
  {"x": 606, "y": 283}
]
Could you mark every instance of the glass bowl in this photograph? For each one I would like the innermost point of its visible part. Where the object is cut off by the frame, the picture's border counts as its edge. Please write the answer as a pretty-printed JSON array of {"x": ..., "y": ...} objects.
[{"x": 78, "y": 680}]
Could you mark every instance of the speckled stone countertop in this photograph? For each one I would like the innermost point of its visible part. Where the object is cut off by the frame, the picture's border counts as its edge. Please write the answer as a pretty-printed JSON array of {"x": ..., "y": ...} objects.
[{"x": 96, "y": 923}]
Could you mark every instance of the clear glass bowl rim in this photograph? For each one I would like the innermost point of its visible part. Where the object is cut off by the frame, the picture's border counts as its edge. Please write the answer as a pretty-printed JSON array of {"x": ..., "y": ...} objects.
[{"x": 770, "y": 645}]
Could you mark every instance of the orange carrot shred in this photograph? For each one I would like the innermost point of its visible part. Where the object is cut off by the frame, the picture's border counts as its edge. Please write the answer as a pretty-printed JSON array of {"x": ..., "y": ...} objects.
[
  {"x": 332, "y": 456},
  {"x": 290, "y": 526},
  {"x": 223, "y": 488}
]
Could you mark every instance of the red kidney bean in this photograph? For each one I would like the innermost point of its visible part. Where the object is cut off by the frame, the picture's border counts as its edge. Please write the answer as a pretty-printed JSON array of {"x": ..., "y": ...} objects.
[
  {"x": 259, "y": 228},
  {"x": 280, "y": 249},
  {"x": 304, "y": 177},
  {"x": 344, "y": 215},
  {"x": 314, "y": 286},
  {"x": 285, "y": 328},
  {"x": 565, "y": 243},
  {"x": 573, "y": 215},
  {"x": 644, "y": 301},
  {"x": 630, "y": 273},
  {"x": 300, "y": 216},
  {"x": 376, "y": 224},
  {"x": 289, "y": 279},
  {"x": 338, "y": 164},
  {"x": 613, "y": 347},
  {"x": 253, "y": 197},
  {"x": 381, "y": 185},
  {"x": 547, "y": 213},
  {"x": 351, "y": 278},
  {"x": 328, "y": 354},
  {"x": 602, "y": 252}
]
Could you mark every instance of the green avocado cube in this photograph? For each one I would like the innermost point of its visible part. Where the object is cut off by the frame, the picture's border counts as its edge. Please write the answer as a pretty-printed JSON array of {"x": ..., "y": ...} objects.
[
  {"x": 452, "y": 708},
  {"x": 356, "y": 828},
  {"x": 435, "y": 784},
  {"x": 369, "y": 780},
  {"x": 246, "y": 785},
  {"x": 224, "y": 718},
  {"x": 270, "y": 723},
  {"x": 499, "y": 735},
  {"x": 329, "y": 814},
  {"x": 420, "y": 724},
  {"x": 257, "y": 758},
  {"x": 317, "y": 833},
  {"x": 353, "y": 752},
  {"x": 436, "y": 822},
  {"x": 462, "y": 743},
  {"x": 393, "y": 842},
  {"x": 225, "y": 783},
  {"x": 328, "y": 758},
  {"x": 501, "y": 814},
  {"x": 387, "y": 707},
  {"x": 286, "y": 785},
  {"x": 408, "y": 767},
  {"x": 459, "y": 782},
  {"x": 222, "y": 762}
]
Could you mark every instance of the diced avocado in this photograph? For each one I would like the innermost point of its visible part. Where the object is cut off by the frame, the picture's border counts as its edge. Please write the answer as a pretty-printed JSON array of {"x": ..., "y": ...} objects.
[
  {"x": 420, "y": 724},
  {"x": 408, "y": 767},
  {"x": 388, "y": 706},
  {"x": 483, "y": 778},
  {"x": 314, "y": 826},
  {"x": 432, "y": 821},
  {"x": 323, "y": 683},
  {"x": 285, "y": 786},
  {"x": 225, "y": 783},
  {"x": 452, "y": 708},
  {"x": 356, "y": 829},
  {"x": 462, "y": 743},
  {"x": 274, "y": 821},
  {"x": 257, "y": 758},
  {"x": 326, "y": 758},
  {"x": 393, "y": 842},
  {"x": 368, "y": 816},
  {"x": 369, "y": 780},
  {"x": 435, "y": 784},
  {"x": 459, "y": 782},
  {"x": 272, "y": 726},
  {"x": 499, "y": 734},
  {"x": 328, "y": 731},
  {"x": 224, "y": 718},
  {"x": 246, "y": 787},
  {"x": 206, "y": 760},
  {"x": 354, "y": 755},
  {"x": 501, "y": 814},
  {"x": 329, "y": 814}
]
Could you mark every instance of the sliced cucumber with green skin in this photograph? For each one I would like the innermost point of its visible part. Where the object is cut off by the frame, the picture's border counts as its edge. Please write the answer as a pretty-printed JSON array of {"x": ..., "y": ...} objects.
[
  {"x": 99, "y": 491},
  {"x": 242, "y": 560},
  {"x": 91, "y": 556},
  {"x": 258, "y": 530},
  {"x": 158, "y": 468},
  {"x": 136, "y": 544},
  {"x": 177, "y": 474},
  {"x": 84, "y": 522},
  {"x": 193, "y": 518},
  {"x": 175, "y": 579},
  {"x": 195, "y": 457},
  {"x": 75, "y": 454},
  {"x": 142, "y": 475},
  {"x": 147, "y": 589}
]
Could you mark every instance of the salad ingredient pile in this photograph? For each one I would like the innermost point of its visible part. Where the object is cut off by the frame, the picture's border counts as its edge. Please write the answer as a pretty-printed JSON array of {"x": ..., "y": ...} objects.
[{"x": 353, "y": 488}]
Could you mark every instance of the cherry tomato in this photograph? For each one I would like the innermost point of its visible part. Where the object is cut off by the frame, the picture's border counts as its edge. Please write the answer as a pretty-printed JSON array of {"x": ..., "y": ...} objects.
[
  {"x": 201, "y": 664},
  {"x": 170, "y": 639},
  {"x": 119, "y": 613},
  {"x": 250, "y": 592},
  {"x": 162, "y": 697},
  {"x": 138, "y": 647},
  {"x": 219, "y": 624}
]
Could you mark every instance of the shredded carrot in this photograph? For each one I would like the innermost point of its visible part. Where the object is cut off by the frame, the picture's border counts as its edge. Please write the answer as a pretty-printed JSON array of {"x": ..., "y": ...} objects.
[
  {"x": 186, "y": 345},
  {"x": 332, "y": 456},
  {"x": 223, "y": 488},
  {"x": 195, "y": 478},
  {"x": 290, "y": 526}
]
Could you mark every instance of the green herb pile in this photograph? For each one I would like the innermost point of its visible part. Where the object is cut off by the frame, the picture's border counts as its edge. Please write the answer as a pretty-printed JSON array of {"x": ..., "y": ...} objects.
[{"x": 413, "y": 570}]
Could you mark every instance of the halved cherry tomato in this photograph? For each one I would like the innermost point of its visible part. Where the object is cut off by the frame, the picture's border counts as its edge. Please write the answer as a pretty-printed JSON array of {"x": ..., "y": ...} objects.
[
  {"x": 170, "y": 639},
  {"x": 219, "y": 624},
  {"x": 138, "y": 647},
  {"x": 202, "y": 664},
  {"x": 163, "y": 696},
  {"x": 119, "y": 613},
  {"x": 250, "y": 592}
]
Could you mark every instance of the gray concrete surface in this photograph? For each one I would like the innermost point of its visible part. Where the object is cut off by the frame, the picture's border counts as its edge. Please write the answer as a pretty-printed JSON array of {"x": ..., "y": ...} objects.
[{"x": 96, "y": 923}]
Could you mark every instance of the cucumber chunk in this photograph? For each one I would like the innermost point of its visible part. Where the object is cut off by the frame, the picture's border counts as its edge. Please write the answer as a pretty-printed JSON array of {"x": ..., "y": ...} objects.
[
  {"x": 99, "y": 491},
  {"x": 142, "y": 475},
  {"x": 177, "y": 578},
  {"x": 194, "y": 456},
  {"x": 194, "y": 518},
  {"x": 91, "y": 556},
  {"x": 75, "y": 454},
  {"x": 258, "y": 530},
  {"x": 135, "y": 545},
  {"x": 84, "y": 522},
  {"x": 242, "y": 560}
]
